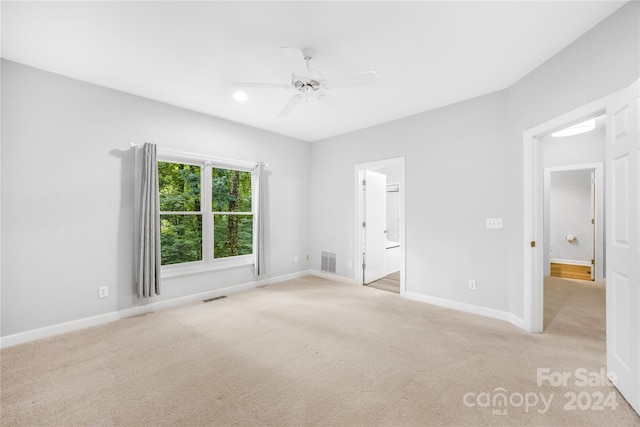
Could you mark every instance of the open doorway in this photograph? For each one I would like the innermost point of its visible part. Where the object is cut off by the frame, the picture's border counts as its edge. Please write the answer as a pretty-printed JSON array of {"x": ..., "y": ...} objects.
[
  {"x": 573, "y": 221},
  {"x": 573, "y": 236},
  {"x": 380, "y": 248},
  {"x": 622, "y": 224},
  {"x": 551, "y": 154},
  {"x": 573, "y": 205},
  {"x": 569, "y": 223}
]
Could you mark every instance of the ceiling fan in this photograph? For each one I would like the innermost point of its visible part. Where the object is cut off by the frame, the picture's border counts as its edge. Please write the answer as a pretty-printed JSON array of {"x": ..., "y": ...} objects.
[{"x": 310, "y": 83}]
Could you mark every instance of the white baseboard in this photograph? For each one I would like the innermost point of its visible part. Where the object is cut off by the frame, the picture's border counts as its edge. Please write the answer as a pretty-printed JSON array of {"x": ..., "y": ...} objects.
[
  {"x": 333, "y": 277},
  {"x": 177, "y": 302},
  {"x": 569, "y": 262},
  {"x": 75, "y": 325},
  {"x": 517, "y": 321},
  {"x": 461, "y": 306},
  {"x": 101, "y": 319},
  {"x": 442, "y": 302},
  {"x": 283, "y": 278}
]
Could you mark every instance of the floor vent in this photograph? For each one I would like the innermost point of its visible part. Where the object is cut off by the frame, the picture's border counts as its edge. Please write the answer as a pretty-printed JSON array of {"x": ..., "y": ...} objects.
[
  {"x": 214, "y": 298},
  {"x": 328, "y": 262}
]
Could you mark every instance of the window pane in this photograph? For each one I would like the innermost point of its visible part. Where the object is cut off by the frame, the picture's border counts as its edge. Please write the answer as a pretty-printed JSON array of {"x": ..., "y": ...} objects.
[
  {"x": 233, "y": 235},
  {"x": 179, "y": 187},
  {"x": 231, "y": 190},
  {"x": 180, "y": 238}
]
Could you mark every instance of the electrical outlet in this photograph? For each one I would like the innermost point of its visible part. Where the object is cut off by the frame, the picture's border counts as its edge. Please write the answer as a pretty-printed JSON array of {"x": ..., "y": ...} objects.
[
  {"x": 349, "y": 264},
  {"x": 295, "y": 259},
  {"x": 103, "y": 292},
  {"x": 307, "y": 257},
  {"x": 473, "y": 285},
  {"x": 494, "y": 223}
]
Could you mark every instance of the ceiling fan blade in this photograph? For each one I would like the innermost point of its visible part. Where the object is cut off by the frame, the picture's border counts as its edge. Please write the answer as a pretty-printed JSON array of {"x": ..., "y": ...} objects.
[
  {"x": 352, "y": 80},
  {"x": 330, "y": 100},
  {"x": 295, "y": 99},
  {"x": 263, "y": 85}
]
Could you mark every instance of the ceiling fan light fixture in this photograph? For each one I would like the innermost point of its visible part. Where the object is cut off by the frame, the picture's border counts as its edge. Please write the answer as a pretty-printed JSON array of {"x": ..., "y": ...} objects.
[
  {"x": 240, "y": 96},
  {"x": 577, "y": 129},
  {"x": 307, "y": 82}
]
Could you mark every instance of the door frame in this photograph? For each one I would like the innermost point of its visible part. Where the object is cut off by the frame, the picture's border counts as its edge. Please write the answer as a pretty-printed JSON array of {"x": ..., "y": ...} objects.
[
  {"x": 598, "y": 214},
  {"x": 533, "y": 192},
  {"x": 359, "y": 214}
]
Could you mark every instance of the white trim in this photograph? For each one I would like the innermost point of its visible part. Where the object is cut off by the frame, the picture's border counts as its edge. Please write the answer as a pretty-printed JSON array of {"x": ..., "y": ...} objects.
[
  {"x": 569, "y": 261},
  {"x": 101, "y": 319},
  {"x": 188, "y": 299},
  {"x": 174, "y": 270},
  {"x": 575, "y": 167},
  {"x": 191, "y": 158},
  {"x": 333, "y": 277},
  {"x": 74, "y": 325},
  {"x": 533, "y": 173},
  {"x": 282, "y": 278},
  {"x": 441, "y": 302},
  {"x": 207, "y": 215},
  {"x": 461, "y": 306},
  {"x": 468, "y": 308},
  {"x": 516, "y": 321}
]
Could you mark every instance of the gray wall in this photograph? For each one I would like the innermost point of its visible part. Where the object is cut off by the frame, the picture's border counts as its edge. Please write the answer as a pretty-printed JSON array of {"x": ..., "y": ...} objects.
[
  {"x": 464, "y": 163},
  {"x": 571, "y": 213},
  {"x": 455, "y": 178},
  {"x": 67, "y": 183},
  {"x": 67, "y": 195},
  {"x": 603, "y": 61}
]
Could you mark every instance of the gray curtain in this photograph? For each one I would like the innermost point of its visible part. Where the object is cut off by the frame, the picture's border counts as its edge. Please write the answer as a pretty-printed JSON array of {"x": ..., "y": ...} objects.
[
  {"x": 149, "y": 225},
  {"x": 259, "y": 189}
]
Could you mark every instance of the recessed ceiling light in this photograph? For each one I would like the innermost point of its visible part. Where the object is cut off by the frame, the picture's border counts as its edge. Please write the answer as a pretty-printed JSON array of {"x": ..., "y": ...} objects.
[
  {"x": 240, "y": 96},
  {"x": 584, "y": 127}
]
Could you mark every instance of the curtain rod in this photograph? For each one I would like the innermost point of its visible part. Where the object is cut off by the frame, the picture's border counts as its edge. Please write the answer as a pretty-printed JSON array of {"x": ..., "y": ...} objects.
[{"x": 169, "y": 153}]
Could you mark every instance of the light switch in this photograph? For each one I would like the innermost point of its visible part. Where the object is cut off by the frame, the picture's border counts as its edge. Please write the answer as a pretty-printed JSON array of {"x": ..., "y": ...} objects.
[{"x": 494, "y": 222}]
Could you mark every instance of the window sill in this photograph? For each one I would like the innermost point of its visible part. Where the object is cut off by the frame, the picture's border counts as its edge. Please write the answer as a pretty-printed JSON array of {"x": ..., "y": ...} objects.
[{"x": 201, "y": 267}]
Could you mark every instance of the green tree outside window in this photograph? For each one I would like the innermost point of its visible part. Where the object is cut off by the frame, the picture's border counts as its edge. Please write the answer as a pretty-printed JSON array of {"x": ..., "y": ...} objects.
[
  {"x": 182, "y": 219},
  {"x": 232, "y": 219},
  {"x": 180, "y": 230}
]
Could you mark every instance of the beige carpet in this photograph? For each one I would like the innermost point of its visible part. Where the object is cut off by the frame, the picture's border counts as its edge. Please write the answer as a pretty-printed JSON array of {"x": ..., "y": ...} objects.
[{"x": 305, "y": 352}]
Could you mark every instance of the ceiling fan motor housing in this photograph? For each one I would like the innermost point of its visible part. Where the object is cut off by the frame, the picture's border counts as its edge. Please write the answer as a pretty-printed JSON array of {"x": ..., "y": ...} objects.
[{"x": 306, "y": 85}]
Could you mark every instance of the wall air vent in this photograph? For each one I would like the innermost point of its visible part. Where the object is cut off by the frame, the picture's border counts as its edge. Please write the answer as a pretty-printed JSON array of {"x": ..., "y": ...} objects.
[{"x": 328, "y": 262}]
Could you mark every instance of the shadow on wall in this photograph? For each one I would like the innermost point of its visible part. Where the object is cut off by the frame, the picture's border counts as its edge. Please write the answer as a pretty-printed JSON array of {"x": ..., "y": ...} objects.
[{"x": 125, "y": 272}]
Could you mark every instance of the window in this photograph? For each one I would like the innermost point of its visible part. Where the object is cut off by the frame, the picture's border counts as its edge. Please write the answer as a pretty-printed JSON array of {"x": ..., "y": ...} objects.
[
  {"x": 206, "y": 218},
  {"x": 232, "y": 217},
  {"x": 180, "y": 213}
]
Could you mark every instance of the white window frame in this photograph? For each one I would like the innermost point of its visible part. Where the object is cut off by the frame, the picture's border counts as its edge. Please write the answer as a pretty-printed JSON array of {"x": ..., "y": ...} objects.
[{"x": 208, "y": 262}]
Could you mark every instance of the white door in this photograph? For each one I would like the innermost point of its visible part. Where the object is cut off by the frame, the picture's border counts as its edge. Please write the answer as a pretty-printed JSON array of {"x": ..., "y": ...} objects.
[
  {"x": 593, "y": 225},
  {"x": 375, "y": 224},
  {"x": 623, "y": 247}
]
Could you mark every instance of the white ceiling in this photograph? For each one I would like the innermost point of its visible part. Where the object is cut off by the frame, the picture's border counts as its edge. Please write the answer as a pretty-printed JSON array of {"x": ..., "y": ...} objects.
[{"x": 427, "y": 54}]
